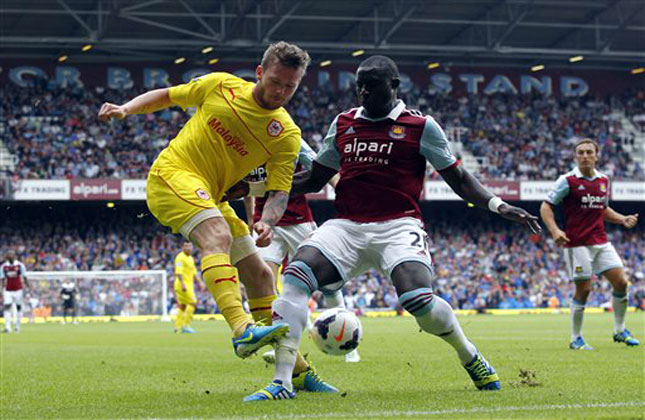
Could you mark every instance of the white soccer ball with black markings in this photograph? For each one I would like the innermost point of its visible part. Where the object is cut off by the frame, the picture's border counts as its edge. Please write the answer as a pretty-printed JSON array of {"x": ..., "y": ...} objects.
[{"x": 337, "y": 331}]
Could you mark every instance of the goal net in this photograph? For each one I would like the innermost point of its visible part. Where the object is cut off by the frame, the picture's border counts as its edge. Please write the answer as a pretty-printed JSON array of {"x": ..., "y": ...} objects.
[{"x": 102, "y": 293}]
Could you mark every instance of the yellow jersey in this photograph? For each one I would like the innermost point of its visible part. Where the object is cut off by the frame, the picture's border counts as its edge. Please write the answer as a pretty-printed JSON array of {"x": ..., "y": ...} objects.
[
  {"x": 230, "y": 135},
  {"x": 185, "y": 265}
]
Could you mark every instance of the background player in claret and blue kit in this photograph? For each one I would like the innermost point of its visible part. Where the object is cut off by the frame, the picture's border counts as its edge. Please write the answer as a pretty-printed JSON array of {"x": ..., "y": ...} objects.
[
  {"x": 584, "y": 194},
  {"x": 12, "y": 275},
  {"x": 380, "y": 150}
]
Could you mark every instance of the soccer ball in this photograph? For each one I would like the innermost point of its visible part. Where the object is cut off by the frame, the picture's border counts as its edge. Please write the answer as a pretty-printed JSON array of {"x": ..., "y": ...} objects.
[{"x": 337, "y": 331}]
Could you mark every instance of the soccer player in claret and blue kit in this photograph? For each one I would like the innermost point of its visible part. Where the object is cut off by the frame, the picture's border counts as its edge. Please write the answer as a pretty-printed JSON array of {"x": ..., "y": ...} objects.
[
  {"x": 584, "y": 194},
  {"x": 380, "y": 150}
]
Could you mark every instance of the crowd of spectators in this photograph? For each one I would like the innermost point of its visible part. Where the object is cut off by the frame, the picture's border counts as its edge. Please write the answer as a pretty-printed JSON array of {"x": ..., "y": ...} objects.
[
  {"x": 478, "y": 265},
  {"x": 55, "y": 133}
]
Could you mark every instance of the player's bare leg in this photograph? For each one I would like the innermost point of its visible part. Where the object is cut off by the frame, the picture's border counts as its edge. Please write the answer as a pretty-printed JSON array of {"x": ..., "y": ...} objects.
[
  {"x": 214, "y": 239},
  {"x": 434, "y": 315},
  {"x": 620, "y": 301}
]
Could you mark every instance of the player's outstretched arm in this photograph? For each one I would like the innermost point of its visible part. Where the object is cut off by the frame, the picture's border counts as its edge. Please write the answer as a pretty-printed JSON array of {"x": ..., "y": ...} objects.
[
  {"x": 312, "y": 180},
  {"x": 145, "y": 103},
  {"x": 272, "y": 212},
  {"x": 470, "y": 189},
  {"x": 612, "y": 216}
]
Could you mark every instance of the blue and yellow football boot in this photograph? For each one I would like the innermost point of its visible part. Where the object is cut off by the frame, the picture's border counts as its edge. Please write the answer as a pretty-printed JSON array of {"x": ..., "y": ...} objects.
[
  {"x": 483, "y": 374},
  {"x": 626, "y": 337},
  {"x": 580, "y": 344},
  {"x": 274, "y": 391},
  {"x": 309, "y": 381},
  {"x": 257, "y": 336}
]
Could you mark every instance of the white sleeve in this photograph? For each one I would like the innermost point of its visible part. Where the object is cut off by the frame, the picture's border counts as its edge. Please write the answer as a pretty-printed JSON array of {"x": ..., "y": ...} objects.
[
  {"x": 2, "y": 271},
  {"x": 306, "y": 155},
  {"x": 435, "y": 146},
  {"x": 329, "y": 155},
  {"x": 23, "y": 270},
  {"x": 559, "y": 191}
]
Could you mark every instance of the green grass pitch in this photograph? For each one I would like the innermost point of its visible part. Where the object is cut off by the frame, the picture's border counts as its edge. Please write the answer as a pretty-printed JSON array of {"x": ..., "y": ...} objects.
[{"x": 143, "y": 370}]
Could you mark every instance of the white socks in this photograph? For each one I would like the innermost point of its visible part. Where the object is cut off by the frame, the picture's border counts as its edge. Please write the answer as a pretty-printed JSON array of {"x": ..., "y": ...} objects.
[
  {"x": 334, "y": 300},
  {"x": 435, "y": 316},
  {"x": 291, "y": 309},
  {"x": 619, "y": 302},
  {"x": 577, "y": 316}
]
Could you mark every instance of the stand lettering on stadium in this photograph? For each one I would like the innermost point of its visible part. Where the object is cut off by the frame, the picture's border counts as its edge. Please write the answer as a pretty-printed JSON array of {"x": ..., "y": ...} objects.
[{"x": 438, "y": 83}]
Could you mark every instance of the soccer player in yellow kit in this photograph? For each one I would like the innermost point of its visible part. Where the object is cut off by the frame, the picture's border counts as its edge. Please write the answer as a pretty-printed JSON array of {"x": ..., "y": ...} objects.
[
  {"x": 237, "y": 126},
  {"x": 185, "y": 275}
]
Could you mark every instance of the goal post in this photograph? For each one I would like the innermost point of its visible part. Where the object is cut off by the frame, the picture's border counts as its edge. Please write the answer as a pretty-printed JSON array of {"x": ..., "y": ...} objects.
[{"x": 105, "y": 293}]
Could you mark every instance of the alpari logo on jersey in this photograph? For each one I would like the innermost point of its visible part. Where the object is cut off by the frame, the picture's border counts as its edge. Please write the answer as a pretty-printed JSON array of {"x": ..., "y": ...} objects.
[
  {"x": 258, "y": 174},
  {"x": 397, "y": 132},
  {"x": 274, "y": 128},
  {"x": 364, "y": 150},
  {"x": 231, "y": 140},
  {"x": 593, "y": 201},
  {"x": 203, "y": 194}
]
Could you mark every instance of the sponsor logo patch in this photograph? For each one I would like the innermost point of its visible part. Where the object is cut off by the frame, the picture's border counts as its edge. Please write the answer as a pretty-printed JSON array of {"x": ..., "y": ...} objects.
[
  {"x": 578, "y": 269},
  {"x": 350, "y": 130},
  {"x": 203, "y": 194},
  {"x": 581, "y": 187},
  {"x": 397, "y": 132},
  {"x": 274, "y": 128}
]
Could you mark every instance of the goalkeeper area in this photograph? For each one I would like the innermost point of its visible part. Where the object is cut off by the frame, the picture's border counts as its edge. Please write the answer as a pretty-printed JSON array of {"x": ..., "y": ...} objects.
[
  {"x": 102, "y": 295},
  {"x": 141, "y": 370}
]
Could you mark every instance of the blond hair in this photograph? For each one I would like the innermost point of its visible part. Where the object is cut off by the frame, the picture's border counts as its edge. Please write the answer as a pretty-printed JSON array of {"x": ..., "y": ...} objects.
[{"x": 289, "y": 55}]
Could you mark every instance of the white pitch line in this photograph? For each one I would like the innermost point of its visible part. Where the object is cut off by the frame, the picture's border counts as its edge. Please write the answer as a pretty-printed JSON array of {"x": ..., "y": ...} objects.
[{"x": 410, "y": 413}]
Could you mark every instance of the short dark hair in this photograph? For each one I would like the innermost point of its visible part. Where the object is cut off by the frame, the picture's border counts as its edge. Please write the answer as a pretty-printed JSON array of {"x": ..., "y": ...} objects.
[
  {"x": 289, "y": 55},
  {"x": 587, "y": 141},
  {"x": 382, "y": 62}
]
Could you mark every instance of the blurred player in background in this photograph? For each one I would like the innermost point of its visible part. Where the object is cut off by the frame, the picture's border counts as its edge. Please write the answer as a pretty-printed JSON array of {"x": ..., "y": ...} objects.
[
  {"x": 584, "y": 194},
  {"x": 296, "y": 225},
  {"x": 380, "y": 150},
  {"x": 12, "y": 275},
  {"x": 68, "y": 294},
  {"x": 184, "y": 287}
]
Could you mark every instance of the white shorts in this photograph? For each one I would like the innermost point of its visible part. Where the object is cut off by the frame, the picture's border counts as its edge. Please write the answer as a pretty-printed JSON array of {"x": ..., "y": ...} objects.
[
  {"x": 12, "y": 296},
  {"x": 354, "y": 247},
  {"x": 582, "y": 261},
  {"x": 286, "y": 240},
  {"x": 241, "y": 248}
]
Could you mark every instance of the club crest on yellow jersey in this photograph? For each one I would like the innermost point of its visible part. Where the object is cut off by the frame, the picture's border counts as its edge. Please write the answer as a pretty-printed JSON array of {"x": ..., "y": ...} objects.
[
  {"x": 274, "y": 128},
  {"x": 203, "y": 194}
]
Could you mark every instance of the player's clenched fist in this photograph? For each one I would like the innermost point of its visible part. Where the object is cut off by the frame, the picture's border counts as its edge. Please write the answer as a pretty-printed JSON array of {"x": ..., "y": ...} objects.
[
  {"x": 109, "y": 111},
  {"x": 630, "y": 221},
  {"x": 265, "y": 234}
]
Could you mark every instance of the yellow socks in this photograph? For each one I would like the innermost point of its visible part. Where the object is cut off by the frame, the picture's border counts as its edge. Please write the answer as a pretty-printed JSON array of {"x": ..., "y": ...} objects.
[
  {"x": 261, "y": 308},
  {"x": 190, "y": 310},
  {"x": 221, "y": 278},
  {"x": 179, "y": 321}
]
